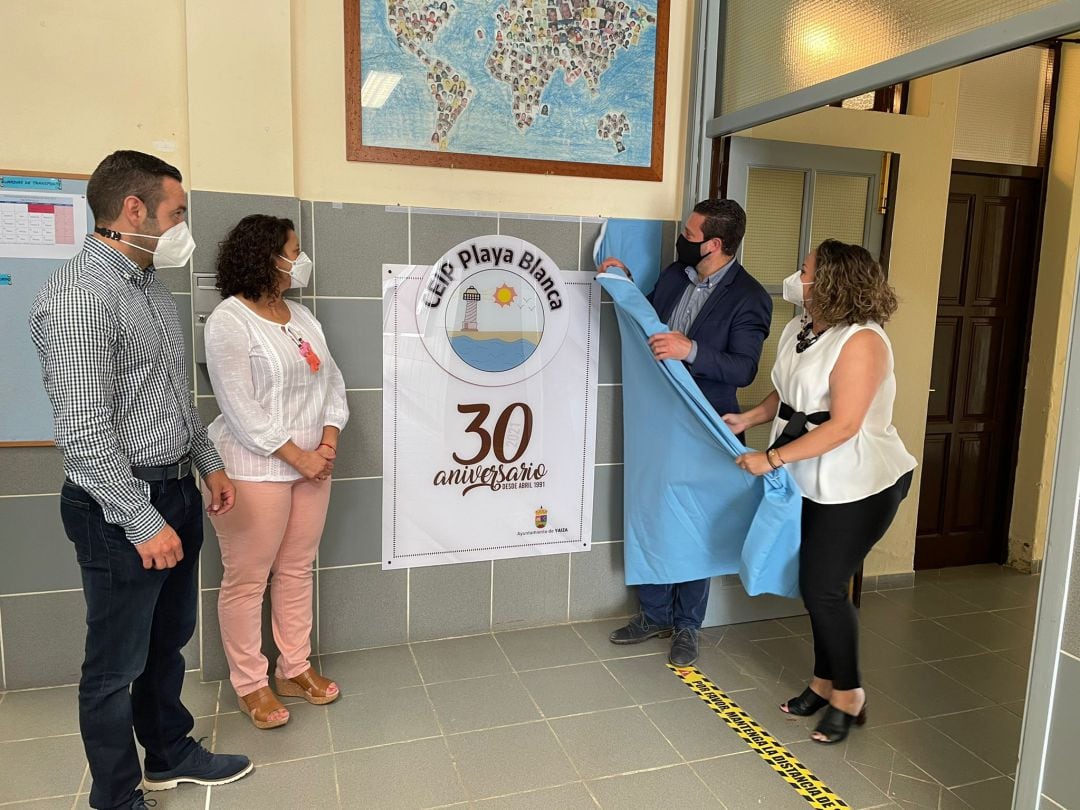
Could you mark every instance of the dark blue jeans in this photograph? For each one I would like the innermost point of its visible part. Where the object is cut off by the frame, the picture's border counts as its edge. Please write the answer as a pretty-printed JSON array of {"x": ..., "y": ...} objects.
[
  {"x": 137, "y": 622},
  {"x": 680, "y": 605}
]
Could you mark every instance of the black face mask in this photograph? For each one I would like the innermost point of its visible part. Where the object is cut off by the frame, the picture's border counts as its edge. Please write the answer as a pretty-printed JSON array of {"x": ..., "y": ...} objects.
[{"x": 689, "y": 253}]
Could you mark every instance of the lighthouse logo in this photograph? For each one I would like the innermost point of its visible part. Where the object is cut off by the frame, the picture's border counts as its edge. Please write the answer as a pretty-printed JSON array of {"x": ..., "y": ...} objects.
[
  {"x": 493, "y": 311},
  {"x": 497, "y": 321}
]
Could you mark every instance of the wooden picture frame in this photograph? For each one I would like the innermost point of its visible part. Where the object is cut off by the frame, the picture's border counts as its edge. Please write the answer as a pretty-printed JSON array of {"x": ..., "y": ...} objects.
[{"x": 356, "y": 150}]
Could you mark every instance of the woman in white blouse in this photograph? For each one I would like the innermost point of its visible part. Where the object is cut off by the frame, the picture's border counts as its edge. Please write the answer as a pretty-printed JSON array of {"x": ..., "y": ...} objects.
[
  {"x": 832, "y": 428},
  {"x": 282, "y": 401}
]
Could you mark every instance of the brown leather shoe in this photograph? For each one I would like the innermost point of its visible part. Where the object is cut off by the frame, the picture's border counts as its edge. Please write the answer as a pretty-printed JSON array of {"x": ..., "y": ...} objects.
[
  {"x": 259, "y": 705},
  {"x": 309, "y": 685}
]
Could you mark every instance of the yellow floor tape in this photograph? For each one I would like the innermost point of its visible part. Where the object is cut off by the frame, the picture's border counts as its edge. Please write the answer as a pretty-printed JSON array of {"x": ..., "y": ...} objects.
[{"x": 801, "y": 778}]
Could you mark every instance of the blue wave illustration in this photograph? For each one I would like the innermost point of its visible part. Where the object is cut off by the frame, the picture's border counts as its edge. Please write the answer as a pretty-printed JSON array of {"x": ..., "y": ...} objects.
[{"x": 492, "y": 354}]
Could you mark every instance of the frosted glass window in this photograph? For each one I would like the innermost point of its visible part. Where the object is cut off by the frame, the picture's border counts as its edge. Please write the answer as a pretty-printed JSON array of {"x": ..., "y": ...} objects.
[
  {"x": 839, "y": 210},
  {"x": 774, "y": 213},
  {"x": 778, "y": 47},
  {"x": 1000, "y": 111},
  {"x": 863, "y": 102}
]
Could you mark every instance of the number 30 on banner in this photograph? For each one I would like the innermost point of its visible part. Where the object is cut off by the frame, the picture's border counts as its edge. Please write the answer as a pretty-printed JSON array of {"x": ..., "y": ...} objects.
[{"x": 513, "y": 430}]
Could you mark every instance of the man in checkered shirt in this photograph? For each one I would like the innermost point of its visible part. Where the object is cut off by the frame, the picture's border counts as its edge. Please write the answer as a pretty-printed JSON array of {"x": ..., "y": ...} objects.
[{"x": 113, "y": 364}]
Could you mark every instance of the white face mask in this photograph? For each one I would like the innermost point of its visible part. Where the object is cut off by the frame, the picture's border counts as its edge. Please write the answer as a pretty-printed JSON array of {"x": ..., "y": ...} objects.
[
  {"x": 174, "y": 247},
  {"x": 793, "y": 289},
  {"x": 300, "y": 272}
]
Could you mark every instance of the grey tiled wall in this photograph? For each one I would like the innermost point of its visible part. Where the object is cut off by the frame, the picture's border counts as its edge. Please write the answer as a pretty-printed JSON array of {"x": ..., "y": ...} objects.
[{"x": 357, "y": 605}]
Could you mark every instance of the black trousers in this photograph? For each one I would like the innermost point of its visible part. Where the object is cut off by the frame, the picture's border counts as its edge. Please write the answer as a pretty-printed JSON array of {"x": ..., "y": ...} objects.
[
  {"x": 137, "y": 622},
  {"x": 835, "y": 540}
]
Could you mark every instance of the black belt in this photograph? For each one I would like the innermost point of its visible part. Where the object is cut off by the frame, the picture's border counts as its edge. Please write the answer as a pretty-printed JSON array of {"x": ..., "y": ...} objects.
[
  {"x": 170, "y": 472},
  {"x": 796, "y": 424}
]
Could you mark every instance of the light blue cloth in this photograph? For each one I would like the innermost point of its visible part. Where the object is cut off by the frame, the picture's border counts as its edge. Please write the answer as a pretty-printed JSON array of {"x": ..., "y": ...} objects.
[
  {"x": 689, "y": 512},
  {"x": 637, "y": 244}
]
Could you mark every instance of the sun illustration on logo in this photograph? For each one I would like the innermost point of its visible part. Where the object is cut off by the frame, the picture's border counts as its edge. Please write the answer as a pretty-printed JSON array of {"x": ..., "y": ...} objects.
[{"x": 505, "y": 295}]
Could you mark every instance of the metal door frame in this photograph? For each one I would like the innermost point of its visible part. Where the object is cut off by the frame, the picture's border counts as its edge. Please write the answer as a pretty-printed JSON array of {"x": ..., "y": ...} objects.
[{"x": 1025, "y": 29}]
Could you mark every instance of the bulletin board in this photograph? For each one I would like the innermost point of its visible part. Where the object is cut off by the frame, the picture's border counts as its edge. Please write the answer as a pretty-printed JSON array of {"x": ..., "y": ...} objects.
[{"x": 44, "y": 218}]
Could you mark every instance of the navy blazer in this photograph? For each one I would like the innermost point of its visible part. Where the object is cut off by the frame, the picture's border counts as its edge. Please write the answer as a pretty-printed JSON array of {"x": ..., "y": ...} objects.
[{"x": 729, "y": 330}]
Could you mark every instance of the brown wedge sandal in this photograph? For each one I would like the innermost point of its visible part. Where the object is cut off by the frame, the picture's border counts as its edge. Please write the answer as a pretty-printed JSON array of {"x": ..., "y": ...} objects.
[
  {"x": 259, "y": 705},
  {"x": 309, "y": 685}
]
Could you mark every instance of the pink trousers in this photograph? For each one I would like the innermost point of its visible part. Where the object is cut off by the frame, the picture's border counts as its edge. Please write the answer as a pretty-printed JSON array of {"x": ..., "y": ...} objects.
[{"x": 272, "y": 532}]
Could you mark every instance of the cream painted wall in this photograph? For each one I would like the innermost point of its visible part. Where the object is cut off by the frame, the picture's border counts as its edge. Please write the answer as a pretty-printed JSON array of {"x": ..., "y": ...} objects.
[
  {"x": 1050, "y": 328},
  {"x": 925, "y": 147},
  {"x": 81, "y": 80},
  {"x": 240, "y": 112},
  {"x": 248, "y": 96}
]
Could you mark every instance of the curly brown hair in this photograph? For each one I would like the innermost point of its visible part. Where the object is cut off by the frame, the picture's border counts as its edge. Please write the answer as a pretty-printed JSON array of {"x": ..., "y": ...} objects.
[
  {"x": 245, "y": 261},
  {"x": 849, "y": 286}
]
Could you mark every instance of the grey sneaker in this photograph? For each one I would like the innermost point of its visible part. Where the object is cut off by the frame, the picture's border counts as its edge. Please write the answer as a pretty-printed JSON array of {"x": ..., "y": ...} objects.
[
  {"x": 200, "y": 767},
  {"x": 638, "y": 630}
]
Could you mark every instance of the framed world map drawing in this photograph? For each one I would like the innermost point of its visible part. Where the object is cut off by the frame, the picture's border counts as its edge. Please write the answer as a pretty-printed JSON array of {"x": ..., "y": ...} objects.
[{"x": 573, "y": 87}]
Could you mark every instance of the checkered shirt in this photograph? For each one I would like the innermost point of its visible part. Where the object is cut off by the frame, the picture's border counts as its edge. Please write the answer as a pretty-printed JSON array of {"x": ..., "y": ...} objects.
[{"x": 112, "y": 360}]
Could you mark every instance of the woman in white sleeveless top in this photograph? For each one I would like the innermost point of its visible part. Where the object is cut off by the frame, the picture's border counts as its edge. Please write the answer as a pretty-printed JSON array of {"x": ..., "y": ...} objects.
[
  {"x": 832, "y": 428},
  {"x": 282, "y": 401}
]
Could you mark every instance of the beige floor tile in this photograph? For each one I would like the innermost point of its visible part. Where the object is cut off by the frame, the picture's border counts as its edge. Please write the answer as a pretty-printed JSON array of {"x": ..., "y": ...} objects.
[
  {"x": 39, "y": 713},
  {"x": 931, "y": 750},
  {"x": 387, "y": 776},
  {"x": 379, "y": 718},
  {"x": 478, "y": 703},
  {"x": 614, "y": 742},
  {"x": 924, "y": 690},
  {"x": 305, "y": 735},
  {"x": 678, "y": 786},
  {"x": 544, "y": 647},
  {"x": 368, "y": 670},
  {"x": 566, "y": 797},
  {"x": 457, "y": 658},
  {"x": 575, "y": 689},
  {"x": 745, "y": 781},
  {"x": 992, "y": 733},
  {"x": 988, "y": 674},
  {"x": 648, "y": 679},
  {"x": 501, "y": 761},
  {"x": 35, "y": 769},
  {"x": 303, "y": 783},
  {"x": 994, "y": 794}
]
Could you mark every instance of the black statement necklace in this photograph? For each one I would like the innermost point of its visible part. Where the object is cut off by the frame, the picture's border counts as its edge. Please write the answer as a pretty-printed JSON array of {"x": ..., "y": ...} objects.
[{"x": 808, "y": 337}]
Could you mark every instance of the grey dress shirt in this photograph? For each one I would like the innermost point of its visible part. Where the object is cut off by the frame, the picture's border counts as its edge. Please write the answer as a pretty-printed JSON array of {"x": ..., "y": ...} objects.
[{"x": 693, "y": 299}]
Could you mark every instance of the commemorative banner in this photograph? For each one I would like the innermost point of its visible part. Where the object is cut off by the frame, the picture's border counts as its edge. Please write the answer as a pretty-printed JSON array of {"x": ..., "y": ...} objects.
[{"x": 489, "y": 403}]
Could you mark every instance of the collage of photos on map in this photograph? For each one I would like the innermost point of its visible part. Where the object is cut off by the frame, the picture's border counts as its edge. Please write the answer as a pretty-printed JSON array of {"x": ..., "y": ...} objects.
[{"x": 580, "y": 37}]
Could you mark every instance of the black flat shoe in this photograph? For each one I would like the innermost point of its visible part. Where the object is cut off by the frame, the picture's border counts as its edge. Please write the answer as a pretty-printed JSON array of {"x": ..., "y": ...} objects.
[
  {"x": 836, "y": 724},
  {"x": 806, "y": 704}
]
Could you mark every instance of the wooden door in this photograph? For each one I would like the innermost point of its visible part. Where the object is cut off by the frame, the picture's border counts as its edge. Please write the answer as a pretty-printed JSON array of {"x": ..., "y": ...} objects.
[{"x": 978, "y": 371}]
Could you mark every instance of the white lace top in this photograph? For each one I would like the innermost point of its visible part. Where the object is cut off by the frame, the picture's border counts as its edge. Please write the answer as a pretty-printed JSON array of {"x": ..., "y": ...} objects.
[{"x": 267, "y": 390}]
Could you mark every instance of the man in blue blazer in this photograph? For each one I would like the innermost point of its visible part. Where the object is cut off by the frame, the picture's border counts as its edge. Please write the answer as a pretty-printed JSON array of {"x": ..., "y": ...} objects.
[{"x": 719, "y": 317}]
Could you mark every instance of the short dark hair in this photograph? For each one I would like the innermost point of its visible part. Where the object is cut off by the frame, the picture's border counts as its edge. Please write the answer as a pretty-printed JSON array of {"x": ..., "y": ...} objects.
[
  {"x": 724, "y": 220},
  {"x": 245, "y": 261},
  {"x": 124, "y": 174}
]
